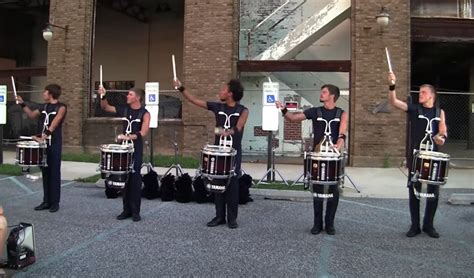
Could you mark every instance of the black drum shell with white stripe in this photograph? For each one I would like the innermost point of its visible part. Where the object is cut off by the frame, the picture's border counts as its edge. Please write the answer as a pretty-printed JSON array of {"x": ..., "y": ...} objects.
[
  {"x": 430, "y": 167},
  {"x": 31, "y": 153}
]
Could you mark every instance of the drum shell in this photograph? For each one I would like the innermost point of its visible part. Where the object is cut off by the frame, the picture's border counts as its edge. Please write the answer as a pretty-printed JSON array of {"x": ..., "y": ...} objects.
[
  {"x": 323, "y": 168},
  {"x": 430, "y": 167},
  {"x": 30, "y": 153},
  {"x": 116, "y": 159},
  {"x": 217, "y": 161}
]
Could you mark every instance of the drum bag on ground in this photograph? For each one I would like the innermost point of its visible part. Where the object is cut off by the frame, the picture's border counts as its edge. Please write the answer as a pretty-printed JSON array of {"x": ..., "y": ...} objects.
[
  {"x": 20, "y": 255},
  {"x": 245, "y": 182},
  {"x": 111, "y": 193},
  {"x": 167, "y": 190},
  {"x": 201, "y": 195},
  {"x": 151, "y": 188},
  {"x": 184, "y": 190}
]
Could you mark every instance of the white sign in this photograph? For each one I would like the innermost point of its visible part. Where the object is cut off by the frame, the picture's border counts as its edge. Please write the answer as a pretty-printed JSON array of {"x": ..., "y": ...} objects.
[
  {"x": 152, "y": 93},
  {"x": 152, "y": 99},
  {"x": 270, "y": 114},
  {"x": 153, "y": 110},
  {"x": 270, "y": 93},
  {"x": 3, "y": 104}
]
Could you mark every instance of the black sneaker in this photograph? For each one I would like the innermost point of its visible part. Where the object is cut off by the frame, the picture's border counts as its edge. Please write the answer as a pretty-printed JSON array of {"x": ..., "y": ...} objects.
[
  {"x": 124, "y": 215},
  {"x": 431, "y": 232},
  {"x": 54, "y": 208},
  {"x": 42, "y": 206},
  {"x": 216, "y": 222},
  {"x": 316, "y": 230},
  {"x": 136, "y": 217},
  {"x": 413, "y": 232},
  {"x": 330, "y": 230}
]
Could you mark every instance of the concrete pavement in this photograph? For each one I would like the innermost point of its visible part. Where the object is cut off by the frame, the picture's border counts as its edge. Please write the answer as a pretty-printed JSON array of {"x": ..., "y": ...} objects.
[{"x": 372, "y": 182}]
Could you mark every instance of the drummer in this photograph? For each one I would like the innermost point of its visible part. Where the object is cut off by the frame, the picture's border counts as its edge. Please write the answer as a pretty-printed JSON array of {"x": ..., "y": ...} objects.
[
  {"x": 229, "y": 97},
  {"x": 426, "y": 104},
  {"x": 329, "y": 111},
  {"x": 134, "y": 110},
  {"x": 52, "y": 115}
]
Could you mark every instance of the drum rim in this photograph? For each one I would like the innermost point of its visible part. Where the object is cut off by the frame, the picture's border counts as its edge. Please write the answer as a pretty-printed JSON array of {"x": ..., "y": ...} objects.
[
  {"x": 218, "y": 150},
  {"x": 31, "y": 144},
  {"x": 120, "y": 149},
  {"x": 432, "y": 154}
]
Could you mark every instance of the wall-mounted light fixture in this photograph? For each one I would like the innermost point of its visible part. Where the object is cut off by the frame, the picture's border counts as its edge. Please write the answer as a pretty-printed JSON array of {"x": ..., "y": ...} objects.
[
  {"x": 48, "y": 30},
  {"x": 383, "y": 18}
]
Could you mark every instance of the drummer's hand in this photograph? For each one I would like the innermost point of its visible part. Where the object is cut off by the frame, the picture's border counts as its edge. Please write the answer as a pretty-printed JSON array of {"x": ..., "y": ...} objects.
[
  {"x": 39, "y": 139},
  {"x": 176, "y": 83},
  {"x": 122, "y": 137},
  {"x": 392, "y": 79},
  {"x": 438, "y": 140},
  {"x": 19, "y": 100},
  {"x": 339, "y": 144},
  {"x": 279, "y": 105},
  {"x": 101, "y": 90}
]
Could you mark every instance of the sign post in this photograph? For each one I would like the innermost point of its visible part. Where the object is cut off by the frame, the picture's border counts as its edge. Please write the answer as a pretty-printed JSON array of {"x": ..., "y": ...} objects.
[{"x": 152, "y": 100}]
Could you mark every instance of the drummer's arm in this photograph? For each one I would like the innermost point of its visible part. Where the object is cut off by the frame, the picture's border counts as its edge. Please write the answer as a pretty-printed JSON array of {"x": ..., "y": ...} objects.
[
  {"x": 104, "y": 104},
  {"x": 57, "y": 119},
  {"x": 440, "y": 138},
  {"x": 240, "y": 124},
  {"x": 342, "y": 131},
  {"x": 392, "y": 95},
  {"x": 291, "y": 116},
  {"x": 30, "y": 113}
]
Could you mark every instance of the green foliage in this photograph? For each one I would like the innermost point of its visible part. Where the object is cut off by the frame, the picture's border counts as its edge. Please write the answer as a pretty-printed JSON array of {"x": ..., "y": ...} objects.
[{"x": 10, "y": 170}]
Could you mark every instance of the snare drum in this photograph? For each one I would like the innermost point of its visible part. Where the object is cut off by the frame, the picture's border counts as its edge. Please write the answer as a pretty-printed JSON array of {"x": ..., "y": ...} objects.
[
  {"x": 430, "y": 167},
  {"x": 322, "y": 168},
  {"x": 116, "y": 159},
  {"x": 217, "y": 162},
  {"x": 31, "y": 153}
]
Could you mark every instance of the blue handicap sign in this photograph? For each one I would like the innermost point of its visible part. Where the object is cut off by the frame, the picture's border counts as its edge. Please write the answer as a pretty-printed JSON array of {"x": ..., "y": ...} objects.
[
  {"x": 152, "y": 98},
  {"x": 2, "y": 98},
  {"x": 270, "y": 98}
]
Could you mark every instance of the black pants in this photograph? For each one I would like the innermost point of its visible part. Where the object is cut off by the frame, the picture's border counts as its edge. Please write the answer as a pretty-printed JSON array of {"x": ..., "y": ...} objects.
[
  {"x": 229, "y": 199},
  {"x": 331, "y": 206},
  {"x": 131, "y": 194},
  {"x": 414, "y": 202},
  {"x": 52, "y": 176}
]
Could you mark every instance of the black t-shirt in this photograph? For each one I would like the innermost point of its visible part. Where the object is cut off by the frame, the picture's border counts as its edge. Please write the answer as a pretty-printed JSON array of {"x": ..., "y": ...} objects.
[
  {"x": 319, "y": 126},
  {"x": 418, "y": 126},
  {"x": 217, "y": 107},
  {"x": 56, "y": 136},
  {"x": 133, "y": 114}
]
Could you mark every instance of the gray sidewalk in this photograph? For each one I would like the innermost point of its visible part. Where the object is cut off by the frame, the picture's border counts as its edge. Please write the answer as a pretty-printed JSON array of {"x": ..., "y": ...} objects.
[{"x": 372, "y": 182}]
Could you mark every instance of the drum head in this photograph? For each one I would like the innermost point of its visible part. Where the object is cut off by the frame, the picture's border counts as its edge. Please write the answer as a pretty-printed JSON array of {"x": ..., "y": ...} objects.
[
  {"x": 324, "y": 156},
  {"x": 116, "y": 148},
  {"x": 31, "y": 144},
  {"x": 218, "y": 150},
  {"x": 432, "y": 155}
]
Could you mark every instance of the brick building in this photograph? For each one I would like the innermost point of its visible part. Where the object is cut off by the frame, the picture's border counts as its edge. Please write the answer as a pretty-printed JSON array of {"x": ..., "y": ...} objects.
[{"x": 134, "y": 41}]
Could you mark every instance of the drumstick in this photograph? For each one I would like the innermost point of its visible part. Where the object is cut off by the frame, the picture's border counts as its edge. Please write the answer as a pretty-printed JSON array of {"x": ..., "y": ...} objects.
[
  {"x": 14, "y": 90},
  {"x": 26, "y": 137},
  {"x": 100, "y": 82},
  {"x": 388, "y": 60},
  {"x": 174, "y": 70}
]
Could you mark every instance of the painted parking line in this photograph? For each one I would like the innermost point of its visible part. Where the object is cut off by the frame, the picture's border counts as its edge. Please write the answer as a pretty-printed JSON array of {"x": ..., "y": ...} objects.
[
  {"x": 20, "y": 184},
  {"x": 375, "y": 207},
  {"x": 83, "y": 245},
  {"x": 5, "y": 178},
  {"x": 31, "y": 193}
]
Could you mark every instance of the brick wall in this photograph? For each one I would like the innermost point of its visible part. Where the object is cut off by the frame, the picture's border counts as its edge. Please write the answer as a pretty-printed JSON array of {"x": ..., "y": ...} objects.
[
  {"x": 210, "y": 55},
  {"x": 68, "y": 63},
  {"x": 378, "y": 139},
  {"x": 292, "y": 131}
]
